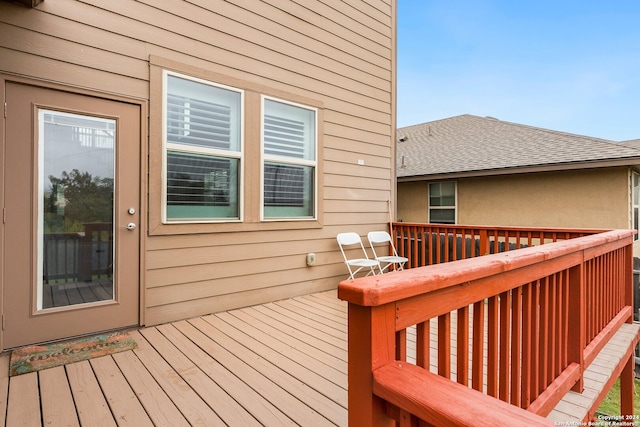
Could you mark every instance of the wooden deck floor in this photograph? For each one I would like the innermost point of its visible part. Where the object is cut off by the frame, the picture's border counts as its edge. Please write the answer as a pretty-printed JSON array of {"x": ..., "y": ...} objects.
[{"x": 278, "y": 364}]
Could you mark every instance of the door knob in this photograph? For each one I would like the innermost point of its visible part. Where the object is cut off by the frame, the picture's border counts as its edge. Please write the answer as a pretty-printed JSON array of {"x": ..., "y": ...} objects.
[{"x": 131, "y": 226}]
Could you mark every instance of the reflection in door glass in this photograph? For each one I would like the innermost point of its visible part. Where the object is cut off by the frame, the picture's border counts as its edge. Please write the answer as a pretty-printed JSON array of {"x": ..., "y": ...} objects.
[{"x": 76, "y": 156}]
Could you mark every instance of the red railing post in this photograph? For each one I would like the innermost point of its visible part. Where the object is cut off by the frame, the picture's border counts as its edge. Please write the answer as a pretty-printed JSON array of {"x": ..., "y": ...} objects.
[
  {"x": 371, "y": 338},
  {"x": 627, "y": 377},
  {"x": 576, "y": 339},
  {"x": 627, "y": 389}
]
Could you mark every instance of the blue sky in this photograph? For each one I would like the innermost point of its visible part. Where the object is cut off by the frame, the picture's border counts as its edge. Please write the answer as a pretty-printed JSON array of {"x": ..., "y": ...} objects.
[{"x": 566, "y": 65}]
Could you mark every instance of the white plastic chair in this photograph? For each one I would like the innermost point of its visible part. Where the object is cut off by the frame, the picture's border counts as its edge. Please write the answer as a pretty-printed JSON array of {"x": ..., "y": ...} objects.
[
  {"x": 351, "y": 239},
  {"x": 377, "y": 237}
]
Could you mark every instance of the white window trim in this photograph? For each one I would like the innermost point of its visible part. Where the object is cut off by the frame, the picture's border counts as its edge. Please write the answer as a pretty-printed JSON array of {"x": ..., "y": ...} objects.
[
  {"x": 454, "y": 207},
  {"x": 288, "y": 160},
  {"x": 200, "y": 150}
]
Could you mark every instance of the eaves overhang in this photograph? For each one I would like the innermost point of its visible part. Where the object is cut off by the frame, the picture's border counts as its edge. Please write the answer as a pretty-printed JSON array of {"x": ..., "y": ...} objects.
[{"x": 629, "y": 161}]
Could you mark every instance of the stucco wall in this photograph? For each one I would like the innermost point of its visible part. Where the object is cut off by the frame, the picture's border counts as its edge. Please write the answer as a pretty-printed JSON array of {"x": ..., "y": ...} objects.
[
  {"x": 596, "y": 198},
  {"x": 413, "y": 201}
]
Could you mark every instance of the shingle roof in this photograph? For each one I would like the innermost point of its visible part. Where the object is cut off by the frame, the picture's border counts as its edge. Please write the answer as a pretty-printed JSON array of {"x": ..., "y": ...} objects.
[
  {"x": 468, "y": 144},
  {"x": 635, "y": 143}
]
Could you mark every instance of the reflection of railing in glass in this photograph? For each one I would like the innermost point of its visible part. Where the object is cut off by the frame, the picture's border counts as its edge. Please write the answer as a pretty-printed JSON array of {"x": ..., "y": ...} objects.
[
  {"x": 78, "y": 267},
  {"x": 83, "y": 256}
]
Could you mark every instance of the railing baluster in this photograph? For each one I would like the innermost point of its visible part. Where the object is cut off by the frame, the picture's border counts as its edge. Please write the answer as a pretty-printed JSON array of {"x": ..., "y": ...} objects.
[
  {"x": 477, "y": 360},
  {"x": 552, "y": 367},
  {"x": 544, "y": 337},
  {"x": 462, "y": 341},
  {"x": 493, "y": 342},
  {"x": 401, "y": 345},
  {"x": 516, "y": 361},
  {"x": 576, "y": 337},
  {"x": 505, "y": 344},
  {"x": 535, "y": 344},
  {"x": 423, "y": 344},
  {"x": 563, "y": 301},
  {"x": 444, "y": 345},
  {"x": 527, "y": 338}
]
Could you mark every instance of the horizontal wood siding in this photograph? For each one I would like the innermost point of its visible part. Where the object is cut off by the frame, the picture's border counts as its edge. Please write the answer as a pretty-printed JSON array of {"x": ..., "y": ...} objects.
[{"x": 339, "y": 54}]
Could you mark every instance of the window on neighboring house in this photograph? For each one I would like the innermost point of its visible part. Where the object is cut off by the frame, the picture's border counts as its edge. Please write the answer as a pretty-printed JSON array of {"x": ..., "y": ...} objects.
[
  {"x": 636, "y": 203},
  {"x": 289, "y": 160},
  {"x": 203, "y": 150},
  {"x": 442, "y": 202}
]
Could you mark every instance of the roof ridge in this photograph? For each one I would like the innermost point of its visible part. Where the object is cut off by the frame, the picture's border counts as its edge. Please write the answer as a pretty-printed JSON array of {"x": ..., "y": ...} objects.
[
  {"x": 435, "y": 121},
  {"x": 553, "y": 131}
]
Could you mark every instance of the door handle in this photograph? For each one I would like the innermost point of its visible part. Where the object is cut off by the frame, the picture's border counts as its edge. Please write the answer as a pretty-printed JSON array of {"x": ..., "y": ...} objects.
[{"x": 131, "y": 226}]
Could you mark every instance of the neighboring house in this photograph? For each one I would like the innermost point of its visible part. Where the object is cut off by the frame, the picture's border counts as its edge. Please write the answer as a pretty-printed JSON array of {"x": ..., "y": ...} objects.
[
  {"x": 483, "y": 171},
  {"x": 166, "y": 159}
]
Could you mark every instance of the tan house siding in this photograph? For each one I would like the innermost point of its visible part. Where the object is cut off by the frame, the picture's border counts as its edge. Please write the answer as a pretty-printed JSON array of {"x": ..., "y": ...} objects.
[
  {"x": 339, "y": 57},
  {"x": 589, "y": 198}
]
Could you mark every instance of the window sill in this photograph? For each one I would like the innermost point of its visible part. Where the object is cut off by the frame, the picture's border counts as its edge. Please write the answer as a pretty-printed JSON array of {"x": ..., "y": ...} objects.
[{"x": 167, "y": 229}]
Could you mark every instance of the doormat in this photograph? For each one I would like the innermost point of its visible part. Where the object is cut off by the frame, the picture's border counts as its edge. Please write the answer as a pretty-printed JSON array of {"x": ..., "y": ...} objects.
[{"x": 38, "y": 357}]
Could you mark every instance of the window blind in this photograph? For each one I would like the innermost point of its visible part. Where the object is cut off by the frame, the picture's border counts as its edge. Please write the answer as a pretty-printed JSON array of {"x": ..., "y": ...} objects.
[
  {"x": 197, "y": 122},
  {"x": 284, "y": 185},
  {"x": 284, "y": 137},
  {"x": 196, "y": 180}
]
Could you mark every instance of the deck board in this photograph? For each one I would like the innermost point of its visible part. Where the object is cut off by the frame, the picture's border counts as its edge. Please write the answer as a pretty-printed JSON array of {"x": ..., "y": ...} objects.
[
  {"x": 281, "y": 363},
  {"x": 23, "y": 407},
  {"x": 91, "y": 404},
  {"x": 58, "y": 408},
  {"x": 155, "y": 401},
  {"x": 284, "y": 355},
  {"x": 194, "y": 409},
  {"x": 574, "y": 406},
  {"x": 4, "y": 386},
  {"x": 216, "y": 397},
  {"x": 254, "y": 403},
  {"x": 124, "y": 404}
]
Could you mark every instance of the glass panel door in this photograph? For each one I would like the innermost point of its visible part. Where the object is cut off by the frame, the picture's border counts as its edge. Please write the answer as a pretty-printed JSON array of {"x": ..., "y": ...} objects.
[{"x": 76, "y": 156}]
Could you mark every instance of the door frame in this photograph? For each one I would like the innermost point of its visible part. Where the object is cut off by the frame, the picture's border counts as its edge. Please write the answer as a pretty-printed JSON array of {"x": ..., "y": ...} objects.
[{"x": 142, "y": 180}]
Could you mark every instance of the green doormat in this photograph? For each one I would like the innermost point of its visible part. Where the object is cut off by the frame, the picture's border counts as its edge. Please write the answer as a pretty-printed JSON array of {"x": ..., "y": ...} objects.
[{"x": 38, "y": 357}]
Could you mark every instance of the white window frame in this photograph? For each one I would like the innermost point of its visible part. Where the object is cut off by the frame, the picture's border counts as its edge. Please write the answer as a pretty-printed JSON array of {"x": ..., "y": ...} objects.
[
  {"x": 454, "y": 206},
  {"x": 168, "y": 146},
  {"x": 289, "y": 161}
]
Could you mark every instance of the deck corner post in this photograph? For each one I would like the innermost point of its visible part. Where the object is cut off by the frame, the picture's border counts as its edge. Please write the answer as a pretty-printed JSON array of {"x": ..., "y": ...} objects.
[
  {"x": 577, "y": 321},
  {"x": 371, "y": 345},
  {"x": 627, "y": 391}
]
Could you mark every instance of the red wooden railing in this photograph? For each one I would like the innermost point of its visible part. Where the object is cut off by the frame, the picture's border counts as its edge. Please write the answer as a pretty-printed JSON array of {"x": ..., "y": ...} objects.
[
  {"x": 427, "y": 244},
  {"x": 524, "y": 325}
]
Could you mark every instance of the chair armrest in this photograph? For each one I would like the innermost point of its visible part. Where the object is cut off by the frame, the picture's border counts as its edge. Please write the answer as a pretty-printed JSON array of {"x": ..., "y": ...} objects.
[{"x": 440, "y": 401}]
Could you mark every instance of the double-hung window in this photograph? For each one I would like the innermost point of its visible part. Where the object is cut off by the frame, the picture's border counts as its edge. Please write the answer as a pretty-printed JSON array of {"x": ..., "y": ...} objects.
[
  {"x": 289, "y": 165},
  {"x": 203, "y": 150},
  {"x": 442, "y": 202}
]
